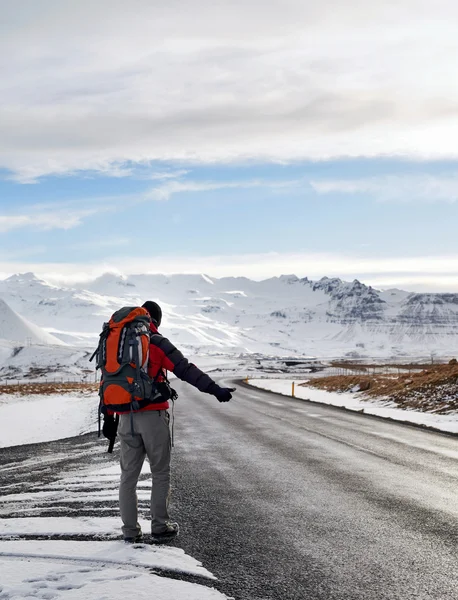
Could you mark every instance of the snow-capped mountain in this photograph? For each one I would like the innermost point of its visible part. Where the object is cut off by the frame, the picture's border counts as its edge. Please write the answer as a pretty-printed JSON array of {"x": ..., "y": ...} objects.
[
  {"x": 15, "y": 328},
  {"x": 279, "y": 316}
]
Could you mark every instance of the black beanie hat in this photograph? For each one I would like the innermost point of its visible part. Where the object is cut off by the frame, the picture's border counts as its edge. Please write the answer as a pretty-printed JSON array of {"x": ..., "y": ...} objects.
[{"x": 154, "y": 310}]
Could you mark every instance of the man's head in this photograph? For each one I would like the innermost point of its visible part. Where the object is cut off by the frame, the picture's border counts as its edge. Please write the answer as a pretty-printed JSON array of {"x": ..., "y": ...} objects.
[{"x": 155, "y": 311}]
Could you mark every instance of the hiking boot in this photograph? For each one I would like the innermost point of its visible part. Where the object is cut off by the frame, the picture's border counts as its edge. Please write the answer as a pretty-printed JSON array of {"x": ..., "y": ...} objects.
[
  {"x": 168, "y": 533},
  {"x": 138, "y": 539}
]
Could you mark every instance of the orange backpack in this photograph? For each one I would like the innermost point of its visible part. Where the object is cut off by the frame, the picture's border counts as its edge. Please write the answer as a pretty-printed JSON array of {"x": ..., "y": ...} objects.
[{"x": 122, "y": 355}]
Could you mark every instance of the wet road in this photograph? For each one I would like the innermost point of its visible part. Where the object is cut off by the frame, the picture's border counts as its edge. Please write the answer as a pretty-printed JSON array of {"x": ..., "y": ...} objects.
[{"x": 283, "y": 499}]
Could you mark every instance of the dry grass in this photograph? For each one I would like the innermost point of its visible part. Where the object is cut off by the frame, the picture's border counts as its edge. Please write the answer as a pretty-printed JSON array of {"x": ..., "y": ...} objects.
[
  {"x": 26, "y": 389},
  {"x": 434, "y": 388},
  {"x": 355, "y": 366}
]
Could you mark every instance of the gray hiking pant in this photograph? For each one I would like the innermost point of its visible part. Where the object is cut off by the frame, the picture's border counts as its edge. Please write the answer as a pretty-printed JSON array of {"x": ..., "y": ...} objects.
[{"x": 152, "y": 439}]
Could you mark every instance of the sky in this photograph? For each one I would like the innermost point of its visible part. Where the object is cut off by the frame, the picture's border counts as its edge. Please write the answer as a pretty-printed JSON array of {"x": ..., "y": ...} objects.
[{"x": 231, "y": 138}]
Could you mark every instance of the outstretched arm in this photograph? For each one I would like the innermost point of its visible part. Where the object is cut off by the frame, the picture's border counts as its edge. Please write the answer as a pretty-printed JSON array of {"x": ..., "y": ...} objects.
[{"x": 175, "y": 361}]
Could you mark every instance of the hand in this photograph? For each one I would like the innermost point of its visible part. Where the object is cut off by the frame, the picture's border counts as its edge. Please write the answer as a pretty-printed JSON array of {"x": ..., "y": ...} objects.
[
  {"x": 224, "y": 394},
  {"x": 110, "y": 427}
]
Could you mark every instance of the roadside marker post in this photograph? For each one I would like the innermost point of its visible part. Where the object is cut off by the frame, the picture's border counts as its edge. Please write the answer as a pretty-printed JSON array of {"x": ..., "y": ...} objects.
[{"x": 292, "y": 389}]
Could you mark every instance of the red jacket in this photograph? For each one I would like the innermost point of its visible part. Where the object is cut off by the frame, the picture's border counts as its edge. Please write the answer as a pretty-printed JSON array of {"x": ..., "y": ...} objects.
[
  {"x": 163, "y": 356},
  {"x": 157, "y": 362}
]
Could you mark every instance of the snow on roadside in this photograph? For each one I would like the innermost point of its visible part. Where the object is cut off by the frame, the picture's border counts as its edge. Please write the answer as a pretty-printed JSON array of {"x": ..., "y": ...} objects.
[
  {"x": 352, "y": 401},
  {"x": 54, "y": 526},
  {"x": 100, "y": 567},
  {"x": 43, "y": 418},
  {"x": 49, "y": 577},
  {"x": 106, "y": 552}
]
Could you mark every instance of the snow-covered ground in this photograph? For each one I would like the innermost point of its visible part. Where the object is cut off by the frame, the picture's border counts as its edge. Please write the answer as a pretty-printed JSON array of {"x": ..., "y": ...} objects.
[
  {"x": 353, "y": 401},
  {"x": 42, "y": 418},
  {"x": 44, "y": 363},
  {"x": 101, "y": 567},
  {"x": 55, "y": 570}
]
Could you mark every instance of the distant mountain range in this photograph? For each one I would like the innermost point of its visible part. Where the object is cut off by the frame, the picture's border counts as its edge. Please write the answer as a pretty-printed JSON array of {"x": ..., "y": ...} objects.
[{"x": 282, "y": 316}]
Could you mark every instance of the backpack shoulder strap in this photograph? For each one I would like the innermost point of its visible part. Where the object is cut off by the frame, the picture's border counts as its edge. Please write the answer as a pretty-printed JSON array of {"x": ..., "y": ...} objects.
[{"x": 161, "y": 373}]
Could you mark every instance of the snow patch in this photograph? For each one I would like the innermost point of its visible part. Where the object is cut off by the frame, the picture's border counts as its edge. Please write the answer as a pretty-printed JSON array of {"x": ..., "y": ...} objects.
[
  {"x": 41, "y": 418},
  {"x": 25, "y": 577}
]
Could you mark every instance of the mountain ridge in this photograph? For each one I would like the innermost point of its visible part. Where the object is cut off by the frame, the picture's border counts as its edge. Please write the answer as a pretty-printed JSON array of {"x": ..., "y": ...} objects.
[{"x": 283, "y": 315}]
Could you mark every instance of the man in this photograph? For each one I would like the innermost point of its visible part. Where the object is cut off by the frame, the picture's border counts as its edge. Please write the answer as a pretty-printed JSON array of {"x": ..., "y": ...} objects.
[{"x": 146, "y": 433}]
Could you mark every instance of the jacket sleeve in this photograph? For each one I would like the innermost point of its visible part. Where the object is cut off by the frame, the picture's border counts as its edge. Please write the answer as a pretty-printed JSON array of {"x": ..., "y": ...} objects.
[{"x": 175, "y": 361}]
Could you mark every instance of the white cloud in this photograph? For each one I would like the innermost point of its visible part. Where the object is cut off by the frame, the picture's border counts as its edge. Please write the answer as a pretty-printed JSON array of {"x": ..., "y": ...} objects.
[
  {"x": 44, "y": 217},
  {"x": 427, "y": 188},
  {"x": 44, "y": 221},
  {"x": 168, "y": 189},
  {"x": 91, "y": 85},
  {"x": 164, "y": 175},
  {"x": 420, "y": 273},
  {"x": 71, "y": 214}
]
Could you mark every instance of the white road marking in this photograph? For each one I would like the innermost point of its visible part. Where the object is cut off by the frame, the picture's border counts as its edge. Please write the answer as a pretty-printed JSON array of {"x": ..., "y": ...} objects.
[{"x": 273, "y": 403}]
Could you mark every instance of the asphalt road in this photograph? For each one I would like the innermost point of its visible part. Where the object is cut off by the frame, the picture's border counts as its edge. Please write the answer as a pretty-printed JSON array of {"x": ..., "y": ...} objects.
[{"x": 283, "y": 499}]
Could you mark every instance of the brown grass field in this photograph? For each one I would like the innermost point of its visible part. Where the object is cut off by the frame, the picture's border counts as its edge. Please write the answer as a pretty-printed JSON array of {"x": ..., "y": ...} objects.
[
  {"x": 27, "y": 389},
  {"x": 433, "y": 388}
]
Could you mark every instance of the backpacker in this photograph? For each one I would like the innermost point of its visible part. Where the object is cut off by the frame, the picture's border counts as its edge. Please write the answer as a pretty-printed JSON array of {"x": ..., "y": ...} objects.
[{"x": 122, "y": 355}]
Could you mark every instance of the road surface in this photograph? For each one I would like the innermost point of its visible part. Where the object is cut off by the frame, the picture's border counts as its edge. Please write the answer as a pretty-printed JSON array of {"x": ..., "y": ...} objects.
[{"x": 288, "y": 500}]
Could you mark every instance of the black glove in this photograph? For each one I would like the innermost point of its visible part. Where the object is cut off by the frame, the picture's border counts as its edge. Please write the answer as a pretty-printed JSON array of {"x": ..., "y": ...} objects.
[
  {"x": 110, "y": 427},
  {"x": 222, "y": 394}
]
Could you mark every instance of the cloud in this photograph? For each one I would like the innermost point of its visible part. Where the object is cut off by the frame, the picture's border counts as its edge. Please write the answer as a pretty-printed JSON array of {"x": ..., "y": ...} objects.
[
  {"x": 167, "y": 190},
  {"x": 70, "y": 214},
  {"x": 164, "y": 175},
  {"x": 47, "y": 217},
  {"x": 43, "y": 221},
  {"x": 99, "y": 85},
  {"x": 400, "y": 188},
  {"x": 419, "y": 273}
]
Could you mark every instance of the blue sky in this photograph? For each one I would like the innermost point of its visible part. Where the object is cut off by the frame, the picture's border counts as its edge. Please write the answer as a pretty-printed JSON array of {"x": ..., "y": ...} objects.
[{"x": 253, "y": 142}]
